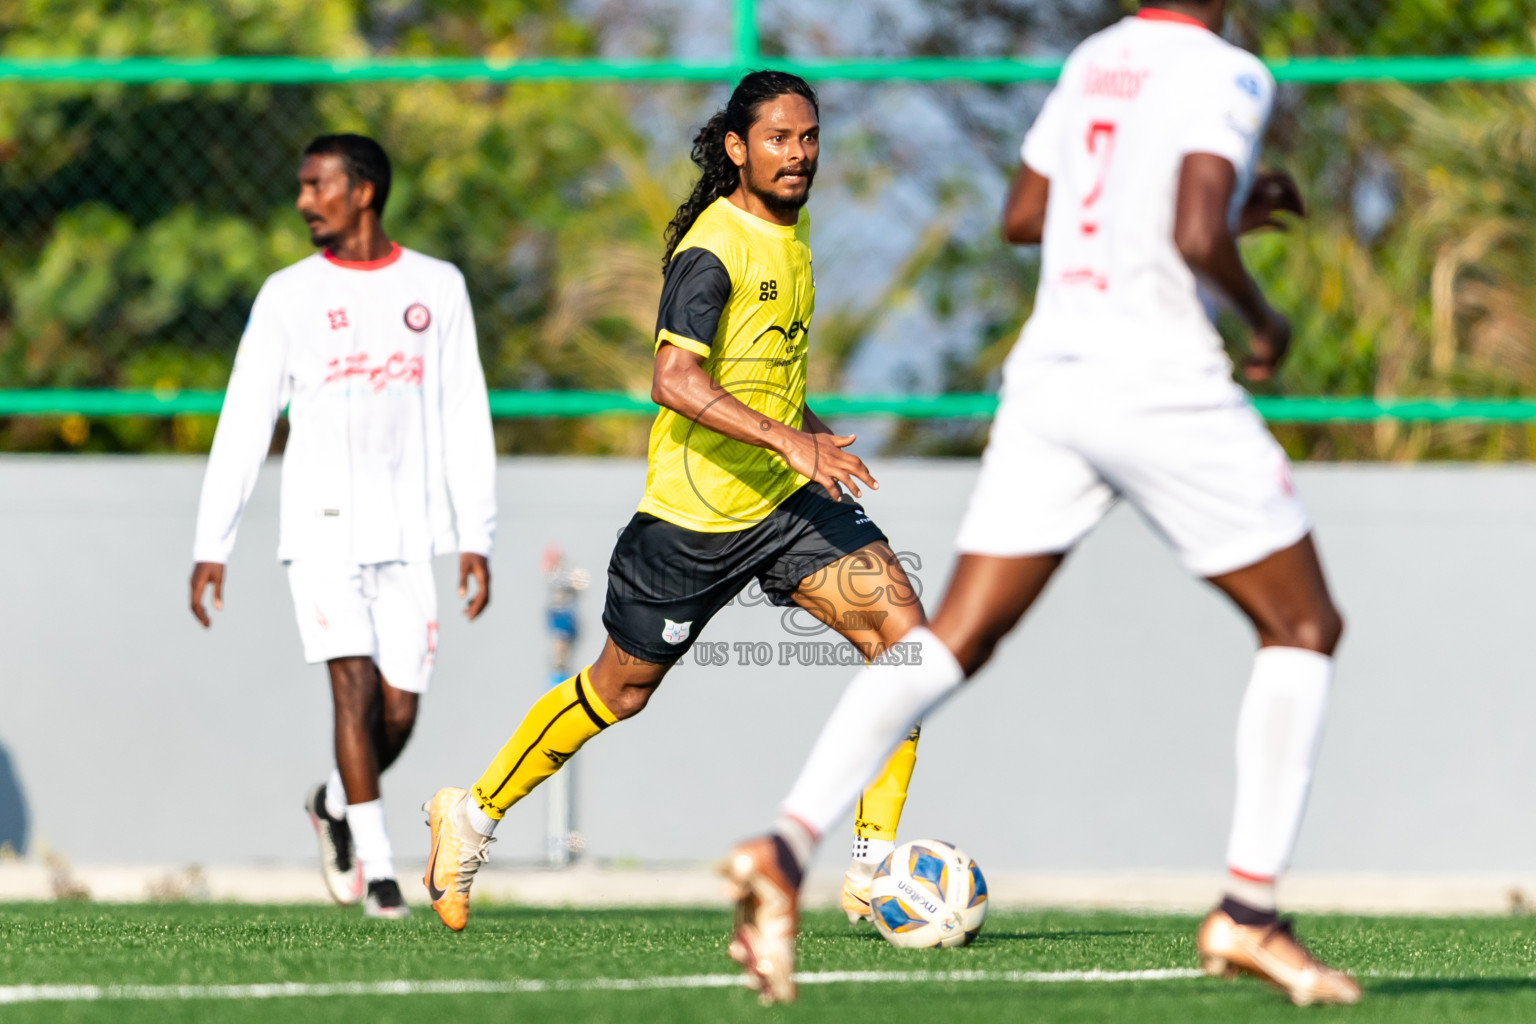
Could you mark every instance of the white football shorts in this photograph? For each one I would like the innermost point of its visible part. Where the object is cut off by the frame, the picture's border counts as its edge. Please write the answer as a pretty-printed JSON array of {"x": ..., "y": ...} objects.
[
  {"x": 387, "y": 612},
  {"x": 1190, "y": 453}
]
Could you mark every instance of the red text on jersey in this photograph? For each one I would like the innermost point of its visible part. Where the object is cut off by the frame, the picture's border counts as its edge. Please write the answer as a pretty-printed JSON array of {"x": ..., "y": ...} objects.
[
  {"x": 1101, "y": 143},
  {"x": 1114, "y": 83},
  {"x": 397, "y": 369}
]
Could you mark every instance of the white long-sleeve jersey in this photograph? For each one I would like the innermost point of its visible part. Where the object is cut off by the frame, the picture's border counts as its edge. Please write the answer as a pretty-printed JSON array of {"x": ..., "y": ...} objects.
[{"x": 388, "y": 414}]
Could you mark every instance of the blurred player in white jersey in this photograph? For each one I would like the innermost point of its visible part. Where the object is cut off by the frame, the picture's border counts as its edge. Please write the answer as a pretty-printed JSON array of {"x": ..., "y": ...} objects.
[
  {"x": 390, "y": 460},
  {"x": 1136, "y": 178}
]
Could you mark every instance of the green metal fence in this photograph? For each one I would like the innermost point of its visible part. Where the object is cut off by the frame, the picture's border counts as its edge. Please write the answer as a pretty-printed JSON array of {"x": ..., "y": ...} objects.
[
  {"x": 79, "y": 160},
  {"x": 318, "y": 71},
  {"x": 956, "y": 406}
]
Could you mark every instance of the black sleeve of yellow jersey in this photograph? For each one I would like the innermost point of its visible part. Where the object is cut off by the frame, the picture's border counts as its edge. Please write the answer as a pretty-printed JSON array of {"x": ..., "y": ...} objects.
[{"x": 693, "y": 295}]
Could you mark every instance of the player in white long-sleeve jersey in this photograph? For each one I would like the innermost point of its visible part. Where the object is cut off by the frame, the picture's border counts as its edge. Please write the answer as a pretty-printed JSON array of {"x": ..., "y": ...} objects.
[
  {"x": 390, "y": 460},
  {"x": 1136, "y": 178}
]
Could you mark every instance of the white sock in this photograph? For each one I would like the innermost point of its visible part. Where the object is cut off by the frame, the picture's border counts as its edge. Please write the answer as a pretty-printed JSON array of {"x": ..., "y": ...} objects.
[
  {"x": 335, "y": 796},
  {"x": 481, "y": 822},
  {"x": 1278, "y": 731},
  {"x": 1252, "y": 892},
  {"x": 875, "y": 713},
  {"x": 370, "y": 840},
  {"x": 797, "y": 835},
  {"x": 872, "y": 851}
]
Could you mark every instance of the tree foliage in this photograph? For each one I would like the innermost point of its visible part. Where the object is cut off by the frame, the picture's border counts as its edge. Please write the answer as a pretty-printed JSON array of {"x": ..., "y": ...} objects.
[
  {"x": 1407, "y": 277},
  {"x": 1410, "y": 275},
  {"x": 140, "y": 221}
]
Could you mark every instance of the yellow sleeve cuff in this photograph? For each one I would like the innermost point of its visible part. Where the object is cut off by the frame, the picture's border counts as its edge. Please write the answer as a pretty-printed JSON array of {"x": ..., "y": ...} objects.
[
  {"x": 588, "y": 697},
  {"x": 698, "y": 348}
]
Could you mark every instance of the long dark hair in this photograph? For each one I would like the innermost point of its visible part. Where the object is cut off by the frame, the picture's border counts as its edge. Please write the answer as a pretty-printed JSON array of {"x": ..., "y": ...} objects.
[{"x": 720, "y": 176}]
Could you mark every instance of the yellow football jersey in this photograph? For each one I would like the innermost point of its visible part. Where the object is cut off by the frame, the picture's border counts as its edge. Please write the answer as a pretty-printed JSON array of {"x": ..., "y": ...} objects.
[{"x": 740, "y": 293}]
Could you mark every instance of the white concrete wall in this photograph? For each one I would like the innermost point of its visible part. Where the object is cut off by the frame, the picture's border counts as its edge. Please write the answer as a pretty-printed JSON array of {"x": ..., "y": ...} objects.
[{"x": 1100, "y": 739}]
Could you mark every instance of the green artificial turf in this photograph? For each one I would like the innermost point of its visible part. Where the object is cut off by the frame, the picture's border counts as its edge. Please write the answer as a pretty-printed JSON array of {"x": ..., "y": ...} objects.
[{"x": 1414, "y": 969}]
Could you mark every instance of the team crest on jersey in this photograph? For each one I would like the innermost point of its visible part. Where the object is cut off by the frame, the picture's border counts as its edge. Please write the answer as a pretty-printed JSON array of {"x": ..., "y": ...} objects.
[
  {"x": 417, "y": 317},
  {"x": 675, "y": 632}
]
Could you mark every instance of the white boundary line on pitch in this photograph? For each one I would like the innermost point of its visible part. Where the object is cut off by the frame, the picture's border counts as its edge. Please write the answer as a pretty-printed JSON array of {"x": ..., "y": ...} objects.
[{"x": 302, "y": 990}]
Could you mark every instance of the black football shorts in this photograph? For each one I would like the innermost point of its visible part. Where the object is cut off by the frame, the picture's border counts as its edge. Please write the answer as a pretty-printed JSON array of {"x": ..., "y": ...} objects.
[{"x": 666, "y": 582}]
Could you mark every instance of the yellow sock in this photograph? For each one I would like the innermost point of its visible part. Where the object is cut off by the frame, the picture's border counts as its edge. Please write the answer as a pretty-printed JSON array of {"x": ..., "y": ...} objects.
[
  {"x": 880, "y": 807},
  {"x": 554, "y": 728}
]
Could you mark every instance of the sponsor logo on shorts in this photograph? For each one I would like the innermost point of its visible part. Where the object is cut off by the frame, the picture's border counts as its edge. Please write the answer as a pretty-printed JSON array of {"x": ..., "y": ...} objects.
[
  {"x": 321, "y": 619},
  {"x": 418, "y": 317},
  {"x": 675, "y": 632},
  {"x": 431, "y": 655}
]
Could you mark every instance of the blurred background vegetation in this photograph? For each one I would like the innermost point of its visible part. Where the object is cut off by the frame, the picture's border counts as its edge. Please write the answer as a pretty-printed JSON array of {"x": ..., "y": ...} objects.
[{"x": 139, "y": 221}]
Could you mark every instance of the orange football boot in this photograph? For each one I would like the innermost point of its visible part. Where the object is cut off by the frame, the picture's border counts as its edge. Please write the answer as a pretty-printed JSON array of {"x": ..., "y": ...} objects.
[
  {"x": 457, "y": 853},
  {"x": 767, "y": 918},
  {"x": 856, "y": 884},
  {"x": 1272, "y": 954}
]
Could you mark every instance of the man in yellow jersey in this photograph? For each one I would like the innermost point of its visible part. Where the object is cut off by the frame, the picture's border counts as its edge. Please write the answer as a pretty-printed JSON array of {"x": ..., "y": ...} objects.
[{"x": 744, "y": 482}]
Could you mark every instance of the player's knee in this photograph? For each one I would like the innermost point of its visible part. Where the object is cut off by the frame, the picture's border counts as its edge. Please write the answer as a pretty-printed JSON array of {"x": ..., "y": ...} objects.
[
  {"x": 354, "y": 681},
  {"x": 975, "y": 655},
  {"x": 629, "y": 701},
  {"x": 970, "y": 640},
  {"x": 354, "y": 703},
  {"x": 971, "y": 649},
  {"x": 1317, "y": 629},
  {"x": 900, "y": 621},
  {"x": 400, "y": 717},
  {"x": 1327, "y": 630}
]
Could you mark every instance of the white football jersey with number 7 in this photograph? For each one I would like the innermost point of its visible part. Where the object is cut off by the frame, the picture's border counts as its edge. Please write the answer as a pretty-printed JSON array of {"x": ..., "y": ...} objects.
[{"x": 1131, "y": 103}]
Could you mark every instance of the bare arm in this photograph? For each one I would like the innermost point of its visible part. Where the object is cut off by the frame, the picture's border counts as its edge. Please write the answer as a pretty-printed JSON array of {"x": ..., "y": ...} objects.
[
  {"x": 1024, "y": 211},
  {"x": 679, "y": 383},
  {"x": 1209, "y": 247}
]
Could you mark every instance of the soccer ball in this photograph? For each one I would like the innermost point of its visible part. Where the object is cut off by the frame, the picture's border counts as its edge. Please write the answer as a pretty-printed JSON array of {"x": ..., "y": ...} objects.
[{"x": 928, "y": 894}]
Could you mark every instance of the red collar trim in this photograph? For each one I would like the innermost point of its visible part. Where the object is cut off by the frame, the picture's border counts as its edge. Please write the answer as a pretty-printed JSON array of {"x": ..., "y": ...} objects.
[
  {"x": 1158, "y": 14},
  {"x": 378, "y": 264}
]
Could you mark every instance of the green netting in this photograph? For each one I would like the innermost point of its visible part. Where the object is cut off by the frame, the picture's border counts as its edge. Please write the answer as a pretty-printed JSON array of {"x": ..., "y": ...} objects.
[
  {"x": 146, "y": 189},
  {"x": 952, "y": 406},
  {"x": 314, "y": 70}
]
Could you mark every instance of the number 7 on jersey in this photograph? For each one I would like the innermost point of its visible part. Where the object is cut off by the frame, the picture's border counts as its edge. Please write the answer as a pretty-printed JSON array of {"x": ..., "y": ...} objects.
[{"x": 1101, "y": 143}]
